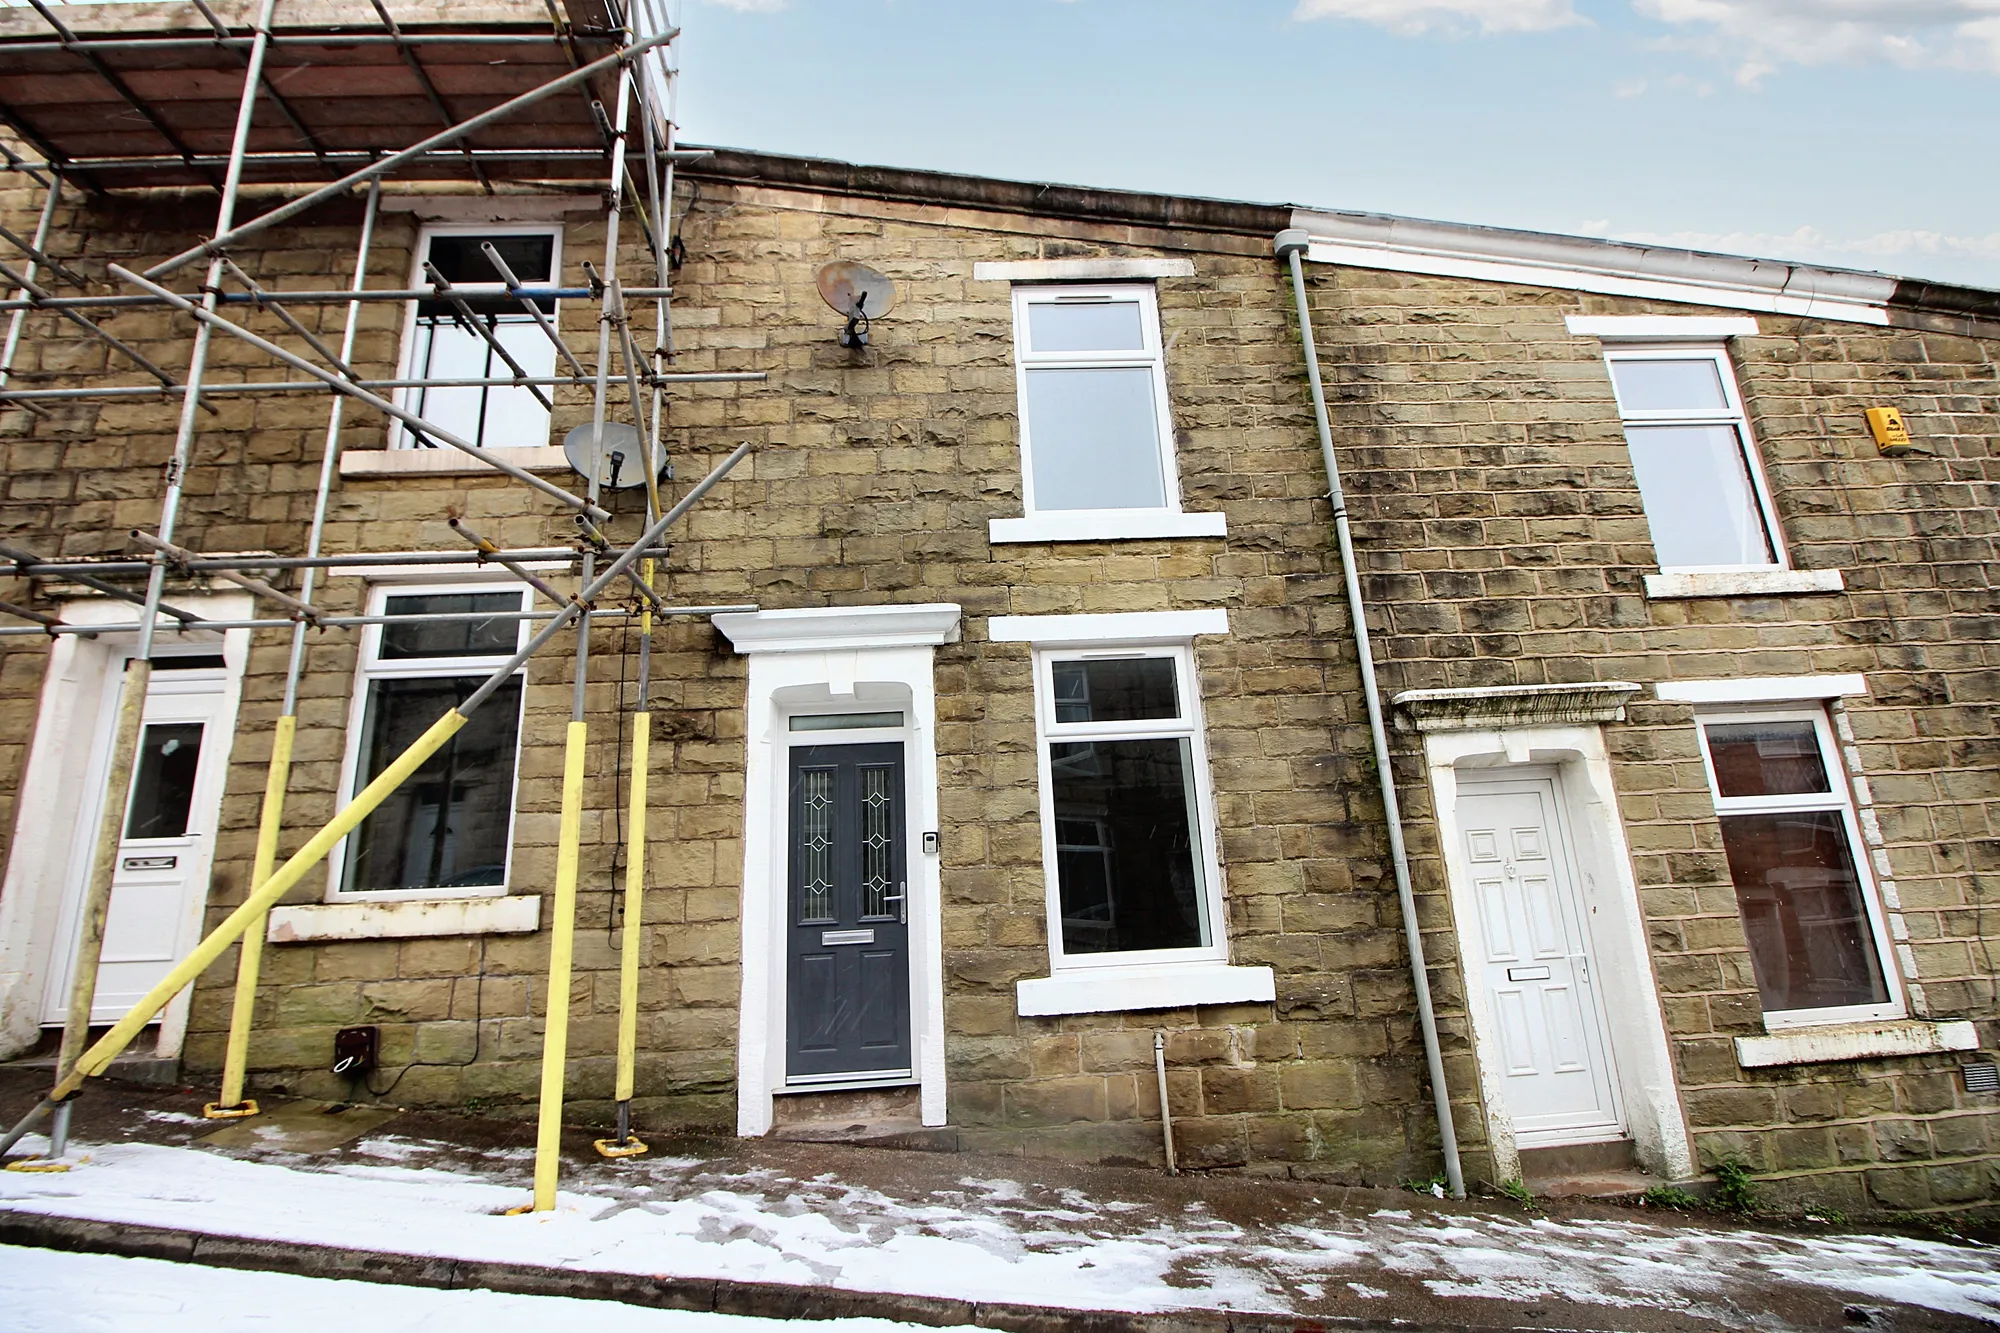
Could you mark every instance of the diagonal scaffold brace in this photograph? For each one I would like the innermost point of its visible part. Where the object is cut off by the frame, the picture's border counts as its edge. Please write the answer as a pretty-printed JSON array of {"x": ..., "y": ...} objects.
[{"x": 99, "y": 1056}]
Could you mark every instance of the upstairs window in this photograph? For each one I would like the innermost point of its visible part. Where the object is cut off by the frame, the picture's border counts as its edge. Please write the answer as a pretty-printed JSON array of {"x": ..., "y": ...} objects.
[
  {"x": 449, "y": 829},
  {"x": 442, "y": 345},
  {"x": 1699, "y": 480},
  {"x": 1818, "y": 943}
]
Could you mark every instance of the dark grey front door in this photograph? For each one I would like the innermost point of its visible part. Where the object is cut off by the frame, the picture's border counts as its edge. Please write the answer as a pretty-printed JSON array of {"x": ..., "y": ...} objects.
[{"x": 848, "y": 971}]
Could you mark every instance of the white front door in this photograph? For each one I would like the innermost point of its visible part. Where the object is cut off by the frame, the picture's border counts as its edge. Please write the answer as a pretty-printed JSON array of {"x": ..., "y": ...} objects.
[
  {"x": 160, "y": 879},
  {"x": 1537, "y": 973}
]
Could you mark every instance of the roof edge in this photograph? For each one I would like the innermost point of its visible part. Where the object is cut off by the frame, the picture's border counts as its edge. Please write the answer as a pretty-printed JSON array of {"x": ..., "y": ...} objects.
[
  {"x": 908, "y": 185},
  {"x": 1377, "y": 240}
]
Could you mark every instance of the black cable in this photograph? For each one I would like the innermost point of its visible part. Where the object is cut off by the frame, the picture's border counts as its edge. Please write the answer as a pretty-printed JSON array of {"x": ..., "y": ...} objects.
[{"x": 478, "y": 1038}]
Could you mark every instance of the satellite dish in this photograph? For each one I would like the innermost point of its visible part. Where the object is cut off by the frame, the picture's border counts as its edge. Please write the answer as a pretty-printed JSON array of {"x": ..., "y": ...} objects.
[
  {"x": 859, "y": 293},
  {"x": 622, "y": 466}
]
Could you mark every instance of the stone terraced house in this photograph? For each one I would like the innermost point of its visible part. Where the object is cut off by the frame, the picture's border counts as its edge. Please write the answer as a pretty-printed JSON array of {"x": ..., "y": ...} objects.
[{"x": 1049, "y": 738}]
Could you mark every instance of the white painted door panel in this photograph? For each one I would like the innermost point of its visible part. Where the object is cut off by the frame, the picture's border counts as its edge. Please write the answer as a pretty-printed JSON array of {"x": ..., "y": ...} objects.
[
  {"x": 161, "y": 872},
  {"x": 1561, "y": 1086}
]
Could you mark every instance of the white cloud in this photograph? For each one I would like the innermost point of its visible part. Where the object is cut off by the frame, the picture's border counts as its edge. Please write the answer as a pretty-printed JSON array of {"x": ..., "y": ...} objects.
[
  {"x": 748, "y": 6},
  {"x": 1758, "y": 36},
  {"x": 1452, "y": 17}
]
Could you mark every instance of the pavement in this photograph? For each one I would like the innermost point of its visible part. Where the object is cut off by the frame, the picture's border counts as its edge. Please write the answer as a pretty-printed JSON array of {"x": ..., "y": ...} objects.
[{"x": 826, "y": 1231}]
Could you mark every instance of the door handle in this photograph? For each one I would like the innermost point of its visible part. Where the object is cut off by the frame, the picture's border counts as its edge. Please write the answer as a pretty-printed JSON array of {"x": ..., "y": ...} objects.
[{"x": 900, "y": 898}]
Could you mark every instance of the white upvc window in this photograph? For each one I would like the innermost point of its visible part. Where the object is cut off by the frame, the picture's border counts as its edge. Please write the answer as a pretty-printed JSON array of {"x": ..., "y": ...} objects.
[
  {"x": 437, "y": 344},
  {"x": 1704, "y": 493},
  {"x": 1097, "y": 433},
  {"x": 1128, "y": 817},
  {"x": 1819, "y": 943},
  {"x": 449, "y": 830}
]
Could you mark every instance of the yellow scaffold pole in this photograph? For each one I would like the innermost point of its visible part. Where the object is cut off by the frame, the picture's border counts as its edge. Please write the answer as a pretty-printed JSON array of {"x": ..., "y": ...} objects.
[
  {"x": 562, "y": 950},
  {"x": 635, "y": 900},
  {"x": 250, "y": 958}
]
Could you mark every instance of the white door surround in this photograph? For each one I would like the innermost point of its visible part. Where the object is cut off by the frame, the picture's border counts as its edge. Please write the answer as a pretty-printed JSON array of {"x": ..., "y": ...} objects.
[
  {"x": 78, "y": 698},
  {"x": 867, "y": 659},
  {"x": 1558, "y": 731}
]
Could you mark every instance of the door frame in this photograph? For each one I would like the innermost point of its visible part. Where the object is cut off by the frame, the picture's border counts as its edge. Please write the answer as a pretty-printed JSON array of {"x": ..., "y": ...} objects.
[
  {"x": 1607, "y": 890},
  {"x": 835, "y": 660},
  {"x": 76, "y": 684},
  {"x": 1524, "y": 779},
  {"x": 819, "y": 740},
  {"x": 204, "y": 806}
]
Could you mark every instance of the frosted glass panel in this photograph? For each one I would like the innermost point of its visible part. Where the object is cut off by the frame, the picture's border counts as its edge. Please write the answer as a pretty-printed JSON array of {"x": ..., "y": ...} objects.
[
  {"x": 1669, "y": 386},
  {"x": 495, "y": 418},
  {"x": 1086, "y": 326},
  {"x": 1699, "y": 503},
  {"x": 1094, "y": 439}
]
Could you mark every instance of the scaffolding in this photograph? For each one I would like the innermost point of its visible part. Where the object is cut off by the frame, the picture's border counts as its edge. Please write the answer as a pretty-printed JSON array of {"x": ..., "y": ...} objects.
[{"x": 326, "y": 106}]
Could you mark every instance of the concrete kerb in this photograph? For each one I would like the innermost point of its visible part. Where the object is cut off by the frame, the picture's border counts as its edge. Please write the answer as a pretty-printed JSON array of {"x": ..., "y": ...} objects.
[{"x": 768, "y": 1300}]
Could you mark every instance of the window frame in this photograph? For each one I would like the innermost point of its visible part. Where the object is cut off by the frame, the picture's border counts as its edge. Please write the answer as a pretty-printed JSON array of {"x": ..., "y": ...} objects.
[
  {"x": 1187, "y": 725},
  {"x": 1733, "y": 415},
  {"x": 1839, "y": 798},
  {"x": 1153, "y": 358},
  {"x": 408, "y": 398},
  {"x": 371, "y": 667}
]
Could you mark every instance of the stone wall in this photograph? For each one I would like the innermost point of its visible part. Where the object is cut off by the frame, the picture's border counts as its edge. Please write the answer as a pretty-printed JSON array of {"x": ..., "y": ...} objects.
[
  {"x": 1504, "y": 538},
  {"x": 1503, "y": 542}
]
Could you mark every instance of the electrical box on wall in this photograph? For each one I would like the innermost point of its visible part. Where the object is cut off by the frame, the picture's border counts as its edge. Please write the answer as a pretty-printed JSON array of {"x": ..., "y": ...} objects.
[
  {"x": 356, "y": 1050},
  {"x": 1887, "y": 426}
]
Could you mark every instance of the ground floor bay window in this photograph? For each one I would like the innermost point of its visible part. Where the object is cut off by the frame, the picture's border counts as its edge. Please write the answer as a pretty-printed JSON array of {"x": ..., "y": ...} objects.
[
  {"x": 1818, "y": 943},
  {"x": 449, "y": 828}
]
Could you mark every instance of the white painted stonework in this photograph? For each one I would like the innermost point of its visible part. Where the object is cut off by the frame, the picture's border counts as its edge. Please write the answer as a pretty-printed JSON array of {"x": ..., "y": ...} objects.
[
  {"x": 1742, "y": 583},
  {"x": 50, "y": 844},
  {"x": 1661, "y": 328},
  {"x": 822, "y": 659},
  {"x": 1762, "y": 689},
  {"x": 1854, "y": 1041},
  {"x": 515, "y": 914},
  {"x": 1104, "y": 525},
  {"x": 444, "y": 462},
  {"x": 1081, "y": 270},
  {"x": 1117, "y": 627},
  {"x": 1115, "y": 990}
]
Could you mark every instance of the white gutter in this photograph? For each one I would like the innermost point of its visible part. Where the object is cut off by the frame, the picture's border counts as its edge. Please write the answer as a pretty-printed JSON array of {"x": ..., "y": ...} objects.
[{"x": 1613, "y": 268}]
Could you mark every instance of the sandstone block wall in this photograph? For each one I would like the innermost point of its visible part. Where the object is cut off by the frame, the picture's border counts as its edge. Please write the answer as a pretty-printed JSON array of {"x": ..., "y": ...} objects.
[{"x": 1502, "y": 541}]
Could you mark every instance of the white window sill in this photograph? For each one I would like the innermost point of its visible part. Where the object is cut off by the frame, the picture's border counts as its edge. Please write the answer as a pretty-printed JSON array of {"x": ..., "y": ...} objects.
[
  {"x": 1113, "y": 990},
  {"x": 1742, "y": 583},
  {"x": 1855, "y": 1041},
  {"x": 444, "y": 462},
  {"x": 1104, "y": 525},
  {"x": 513, "y": 914}
]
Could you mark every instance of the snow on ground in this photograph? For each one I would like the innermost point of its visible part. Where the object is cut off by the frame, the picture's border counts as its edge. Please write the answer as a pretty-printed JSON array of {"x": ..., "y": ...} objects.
[
  {"x": 50, "y": 1292},
  {"x": 989, "y": 1240}
]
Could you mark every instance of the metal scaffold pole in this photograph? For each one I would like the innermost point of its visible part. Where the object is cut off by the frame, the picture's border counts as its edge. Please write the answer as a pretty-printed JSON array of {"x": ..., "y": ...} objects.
[
  {"x": 232, "y": 1104},
  {"x": 139, "y": 667},
  {"x": 562, "y": 944}
]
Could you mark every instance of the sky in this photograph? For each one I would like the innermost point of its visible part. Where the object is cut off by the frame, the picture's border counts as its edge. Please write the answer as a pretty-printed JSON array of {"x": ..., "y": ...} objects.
[{"x": 1855, "y": 133}]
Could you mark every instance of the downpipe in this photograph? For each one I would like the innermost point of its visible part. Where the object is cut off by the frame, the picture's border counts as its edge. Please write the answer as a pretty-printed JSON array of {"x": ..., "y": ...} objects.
[{"x": 1290, "y": 245}]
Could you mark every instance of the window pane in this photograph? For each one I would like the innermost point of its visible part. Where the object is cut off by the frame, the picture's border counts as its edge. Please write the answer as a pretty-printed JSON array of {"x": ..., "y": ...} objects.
[
  {"x": 1128, "y": 869},
  {"x": 1766, "y": 758},
  {"x": 1095, "y": 440},
  {"x": 163, "y": 785},
  {"x": 1796, "y": 887},
  {"x": 447, "y": 826},
  {"x": 444, "y": 351},
  {"x": 461, "y": 258},
  {"x": 1668, "y": 386},
  {"x": 450, "y": 638},
  {"x": 1115, "y": 690},
  {"x": 1696, "y": 490},
  {"x": 1086, "y": 326}
]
